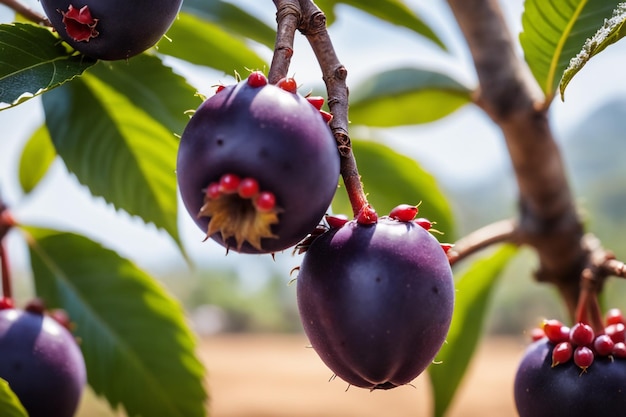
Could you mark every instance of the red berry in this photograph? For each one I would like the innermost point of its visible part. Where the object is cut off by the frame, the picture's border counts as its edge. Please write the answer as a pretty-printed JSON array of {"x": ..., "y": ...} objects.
[
  {"x": 583, "y": 357},
  {"x": 617, "y": 332},
  {"x": 614, "y": 316},
  {"x": 213, "y": 190},
  {"x": 425, "y": 223},
  {"x": 561, "y": 353},
  {"x": 603, "y": 345},
  {"x": 229, "y": 183},
  {"x": 556, "y": 331},
  {"x": 265, "y": 201},
  {"x": 6, "y": 303},
  {"x": 219, "y": 88},
  {"x": 316, "y": 101},
  {"x": 446, "y": 247},
  {"x": 619, "y": 350},
  {"x": 248, "y": 188},
  {"x": 336, "y": 222},
  {"x": 403, "y": 212},
  {"x": 257, "y": 79},
  {"x": 36, "y": 306},
  {"x": 288, "y": 84},
  {"x": 326, "y": 116},
  {"x": 581, "y": 334},
  {"x": 537, "y": 334},
  {"x": 367, "y": 215}
]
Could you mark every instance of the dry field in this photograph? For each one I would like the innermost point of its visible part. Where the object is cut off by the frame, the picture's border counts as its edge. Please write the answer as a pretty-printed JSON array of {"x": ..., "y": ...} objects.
[{"x": 277, "y": 376}]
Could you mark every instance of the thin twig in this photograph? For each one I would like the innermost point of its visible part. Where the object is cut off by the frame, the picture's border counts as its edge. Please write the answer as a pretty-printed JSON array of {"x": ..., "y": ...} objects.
[
  {"x": 27, "y": 12},
  {"x": 313, "y": 26},
  {"x": 498, "y": 232},
  {"x": 288, "y": 17}
]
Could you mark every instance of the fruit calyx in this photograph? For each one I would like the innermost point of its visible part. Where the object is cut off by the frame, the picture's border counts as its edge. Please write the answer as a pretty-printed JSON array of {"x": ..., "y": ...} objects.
[
  {"x": 79, "y": 23},
  {"x": 238, "y": 208}
]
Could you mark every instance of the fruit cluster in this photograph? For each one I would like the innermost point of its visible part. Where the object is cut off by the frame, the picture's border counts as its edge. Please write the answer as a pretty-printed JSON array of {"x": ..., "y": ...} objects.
[
  {"x": 573, "y": 371},
  {"x": 258, "y": 165},
  {"x": 376, "y": 298}
]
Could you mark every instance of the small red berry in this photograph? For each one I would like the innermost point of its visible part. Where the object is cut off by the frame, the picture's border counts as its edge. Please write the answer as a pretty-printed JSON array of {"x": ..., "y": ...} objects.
[
  {"x": 537, "y": 334},
  {"x": 583, "y": 357},
  {"x": 336, "y": 222},
  {"x": 603, "y": 345},
  {"x": 219, "y": 88},
  {"x": 316, "y": 101},
  {"x": 229, "y": 183},
  {"x": 6, "y": 303},
  {"x": 265, "y": 201},
  {"x": 446, "y": 247},
  {"x": 425, "y": 223},
  {"x": 257, "y": 79},
  {"x": 562, "y": 353},
  {"x": 619, "y": 350},
  {"x": 581, "y": 334},
  {"x": 556, "y": 331},
  {"x": 248, "y": 188},
  {"x": 617, "y": 332},
  {"x": 614, "y": 316},
  {"x": 213, "y": 190},
  {"x": 367, "y": 215},
  {"x": 326, "y": 116},
  {"x": 36, "y": 306},
  {"x": 403, "y": 212},
  {"x": 288, "y": 84}
]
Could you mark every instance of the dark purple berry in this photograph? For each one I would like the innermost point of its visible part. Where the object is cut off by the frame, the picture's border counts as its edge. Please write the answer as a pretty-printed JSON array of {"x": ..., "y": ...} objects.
[
  {"x": 42, "y": 363},
  {"x": 376, "y": 301},
  {"x": 563, "y": 391},
  {"x": 113, "y": 29},
  {"x": 267, "y": 135}
]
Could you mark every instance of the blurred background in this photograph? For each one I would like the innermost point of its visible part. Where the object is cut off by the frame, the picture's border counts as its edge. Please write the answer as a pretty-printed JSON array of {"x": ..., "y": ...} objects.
[{"x": 242, "y": 306}]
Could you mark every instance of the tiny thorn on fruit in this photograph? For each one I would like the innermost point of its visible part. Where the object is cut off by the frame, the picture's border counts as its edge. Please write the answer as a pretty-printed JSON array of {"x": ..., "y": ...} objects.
[
  {"x": 446, "y": 247},
  {"x": 219, "y": 87},
  {"x": 288, "y": 84},
  {"x": 404, "y": 212},
  {"x": 257, "y": 79},
  {"x": 424, "y": 223},
  {"x": 326, "y": 116},
  {"x": 367, "y": 215},
  {"x": 316, "y": 101},
  {"x": 79, "y": 23},
  {"x": 336, "y": 221}
]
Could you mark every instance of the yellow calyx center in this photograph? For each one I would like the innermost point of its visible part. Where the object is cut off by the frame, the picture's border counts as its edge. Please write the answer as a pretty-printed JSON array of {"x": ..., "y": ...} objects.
[{"x": 236, "y": 217}]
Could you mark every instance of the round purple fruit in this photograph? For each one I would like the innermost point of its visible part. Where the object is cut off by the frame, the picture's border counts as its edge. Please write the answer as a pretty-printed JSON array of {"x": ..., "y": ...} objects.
[
  {"x": 376, "y": 300},
  {"x": 257, "y": 167},
  {"x": 549, "y": 387},
  {"x": 112, "y": 29},
  {"x": 42, "y": 363}
]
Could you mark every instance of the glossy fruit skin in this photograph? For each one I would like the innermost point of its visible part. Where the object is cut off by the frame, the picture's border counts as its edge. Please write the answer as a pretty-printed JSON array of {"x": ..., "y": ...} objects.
[
  {"x": 565, "y": 390},
  {"x": 42, "y": 363},
  {"x": 125, "y": 28},
  {"x": 273, "y": 136},
  {"x": 376, "y": 301}
]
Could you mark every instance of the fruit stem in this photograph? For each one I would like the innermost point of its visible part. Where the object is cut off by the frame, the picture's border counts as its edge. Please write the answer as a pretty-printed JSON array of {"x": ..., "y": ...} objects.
[
  {"x": 588, "y": 308},
  {"x": 288, "y": 19},
  {"x": 6, "y": 278},
  {"x": 313, "y": 26},
  {"x": 26, "y": 12}
]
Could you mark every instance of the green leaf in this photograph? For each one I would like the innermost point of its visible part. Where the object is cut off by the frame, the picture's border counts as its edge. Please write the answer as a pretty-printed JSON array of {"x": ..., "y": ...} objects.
[
  {"x": 32, "y": 61},
  {"x": 390, "y": 178},
  {"x": 9, "y": 403},
  {"x": 393, "y": 11},
  {"x": 232, "y": 19},
  {"x": 116, "y": 149},
  {"x": 37, "y": 156},
  {"x": 204, "y": 43},
  {"x": 473, "y": 291},
  {"x": 138, "y": 349},
  {"x": 553, "y": 33},
  {"x": 405, "y": 96},
  {"x": 612, "y": 31}
]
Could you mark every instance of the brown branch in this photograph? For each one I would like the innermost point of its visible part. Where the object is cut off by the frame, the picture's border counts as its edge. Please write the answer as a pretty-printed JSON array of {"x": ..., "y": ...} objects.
[
  {"x": 288, "y": 17},
  {"x": 313, "y": 26},
  {"x": 27, "y": 12},
  {"x": 498, "y": 232},
  {"x": 508, "y": 94}
]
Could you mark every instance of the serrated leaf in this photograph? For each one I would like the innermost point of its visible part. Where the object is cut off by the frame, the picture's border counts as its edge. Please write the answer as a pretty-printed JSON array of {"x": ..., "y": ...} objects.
[
  {"x": 390, "y": 179},
  {"x": 116, "y": 149},
  {"x": 32, "y": 61},
  {"x": 138, "y": 349},
  {"x": 553, "y": 33},
  {"x": 393, "y": 11},
  {"x": 9, "y": 403},
  {"x": 406, "y": 96},
  {"x": 204, "y": 43},
  {"x": 232, "y": 19},
  {"x": 37, "y": 156},
  {"x": 612, "y": 31},
  {"x": 473, "y": 291}
]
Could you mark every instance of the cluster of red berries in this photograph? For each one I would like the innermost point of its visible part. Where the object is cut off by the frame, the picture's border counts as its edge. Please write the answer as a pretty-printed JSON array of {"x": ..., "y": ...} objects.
[
  {"x": 581, "y": 344},
  {"x": 247, "y": 188}
]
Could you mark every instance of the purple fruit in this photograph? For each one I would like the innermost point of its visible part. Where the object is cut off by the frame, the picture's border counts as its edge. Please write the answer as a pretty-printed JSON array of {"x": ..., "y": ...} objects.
[
  {"x": 112, "y": 29},
  {"x": 565, "y": 390},
  {"x": 41, "y": 362},
  {"x": 256, "y": 133},
  {"x": 376, "y": 301}
]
